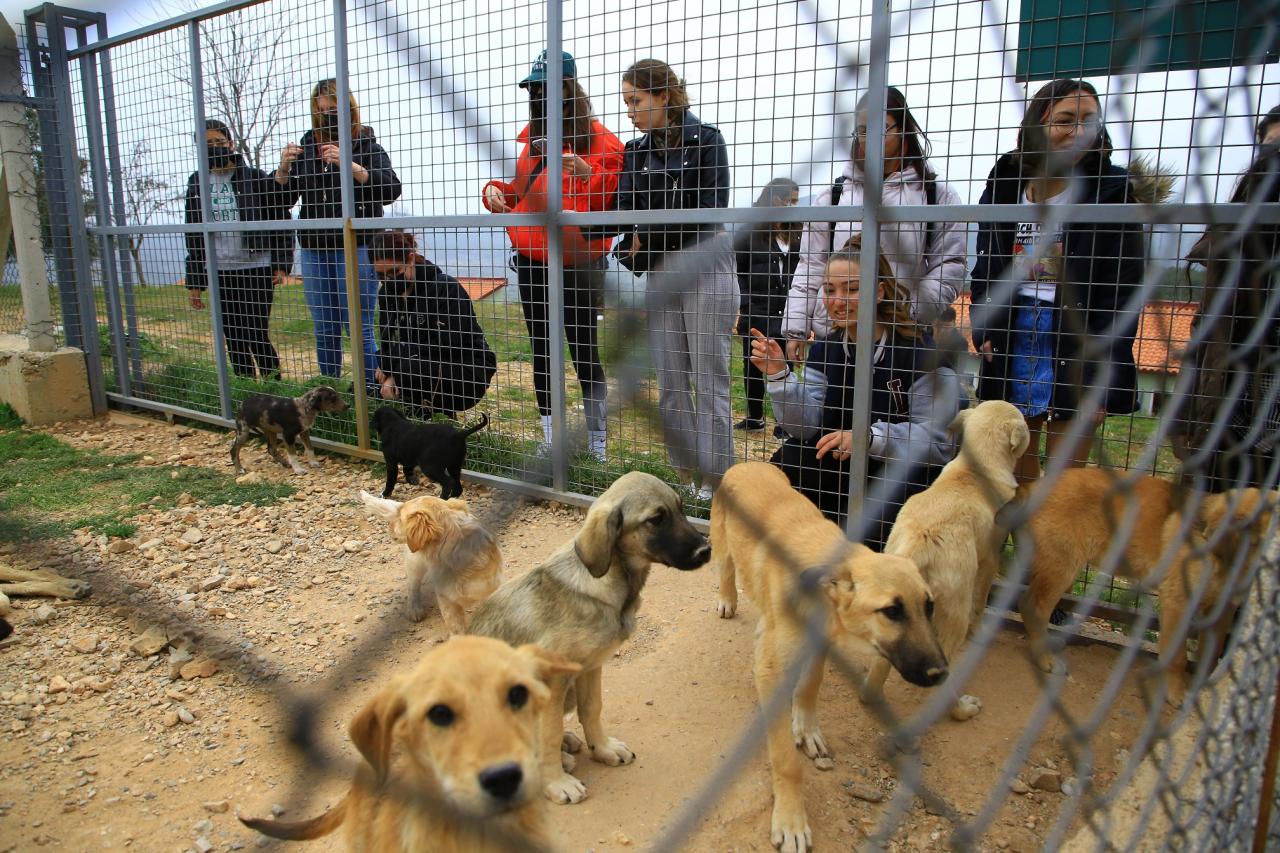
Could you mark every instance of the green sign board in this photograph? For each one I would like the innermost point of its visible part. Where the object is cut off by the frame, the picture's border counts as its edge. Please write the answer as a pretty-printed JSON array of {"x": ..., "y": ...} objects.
[{"x": 1091, "y": 38}]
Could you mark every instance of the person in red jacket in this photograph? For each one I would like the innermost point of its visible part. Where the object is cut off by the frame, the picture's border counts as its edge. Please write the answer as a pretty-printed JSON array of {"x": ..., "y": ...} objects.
[{"x": 592, "y": 158}]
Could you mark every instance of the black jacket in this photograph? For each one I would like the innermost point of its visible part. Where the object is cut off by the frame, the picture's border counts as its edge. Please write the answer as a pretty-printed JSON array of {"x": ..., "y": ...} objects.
[
  {"x": 692, "y": 175},
  {"x": 258, "y": 199},
  {"x": 764, "y": 272},
  {"x": 431, "y": 342},
  {"x": 1102, "y": 268},
  {"x": 320, "y": 187}
]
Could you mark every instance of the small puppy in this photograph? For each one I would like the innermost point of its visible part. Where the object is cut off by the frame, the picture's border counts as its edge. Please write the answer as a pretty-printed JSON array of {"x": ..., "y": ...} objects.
[
  {"x": 439, "y": 450},
  {"x": 282, "y": 421},
  {"x": 950, "y": 532},
  {"x": 582, "y": 603},
  {"x": 1077, "y": 522},
  {"x": 444, "y": 541},
  {"x": 465, "y": 727},
  {"x": 795, "y": 565}
]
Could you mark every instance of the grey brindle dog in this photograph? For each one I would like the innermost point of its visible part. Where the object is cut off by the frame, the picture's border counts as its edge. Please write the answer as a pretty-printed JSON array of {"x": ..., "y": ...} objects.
[{"x": 281, "y": 421}]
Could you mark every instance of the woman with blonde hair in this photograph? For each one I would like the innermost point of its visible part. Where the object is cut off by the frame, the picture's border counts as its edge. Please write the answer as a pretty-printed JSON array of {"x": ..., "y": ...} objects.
[
  {"x": 312, "y": 170},
  {"x": 913, "y": 399}
]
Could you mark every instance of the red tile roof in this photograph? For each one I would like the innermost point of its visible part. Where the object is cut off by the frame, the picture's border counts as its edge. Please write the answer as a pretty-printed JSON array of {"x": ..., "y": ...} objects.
[{"x": 479, "y": 288}]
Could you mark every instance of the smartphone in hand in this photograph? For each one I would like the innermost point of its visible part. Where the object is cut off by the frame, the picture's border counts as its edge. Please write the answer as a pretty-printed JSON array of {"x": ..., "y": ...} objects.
[{"x": 539, "y": 144}]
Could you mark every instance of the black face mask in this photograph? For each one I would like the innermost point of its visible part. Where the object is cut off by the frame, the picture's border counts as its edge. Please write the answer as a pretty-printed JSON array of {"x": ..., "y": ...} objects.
[
  {"x": 221, "y": 157},
  {"x": 329, "y": 122}
]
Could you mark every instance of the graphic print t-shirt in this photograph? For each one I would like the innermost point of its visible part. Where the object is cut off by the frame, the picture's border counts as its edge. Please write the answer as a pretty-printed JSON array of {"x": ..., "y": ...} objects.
[
  {"x": 1039, "y": 276},
  {"x": 228, "y": 246}
]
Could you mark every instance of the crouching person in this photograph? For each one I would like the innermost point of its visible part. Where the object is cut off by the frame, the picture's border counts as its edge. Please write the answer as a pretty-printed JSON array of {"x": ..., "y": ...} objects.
[
  {"x": 913, "y": 400},
  {"x": 433, "y": 353}
]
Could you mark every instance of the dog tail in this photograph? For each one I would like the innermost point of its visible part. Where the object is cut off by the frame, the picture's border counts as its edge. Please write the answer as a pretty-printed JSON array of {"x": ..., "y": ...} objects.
[
  {"x": 301, "y": 830},
  {"x": 484, "y": 422}
]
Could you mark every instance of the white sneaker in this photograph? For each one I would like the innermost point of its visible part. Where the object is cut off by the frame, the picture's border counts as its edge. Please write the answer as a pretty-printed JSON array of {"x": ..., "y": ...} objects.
[{"x": 704, "y": 493}]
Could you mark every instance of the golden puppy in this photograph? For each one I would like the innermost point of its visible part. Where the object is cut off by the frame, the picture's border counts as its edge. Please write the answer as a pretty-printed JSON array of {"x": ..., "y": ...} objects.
[
  {"x": 465, "y": 724},
  {"x": 443, "y": 540},
  {"x": 949, "y": 531},
  {"x": 796, "y": 565},
  {"x": 1076, "y": 524}
]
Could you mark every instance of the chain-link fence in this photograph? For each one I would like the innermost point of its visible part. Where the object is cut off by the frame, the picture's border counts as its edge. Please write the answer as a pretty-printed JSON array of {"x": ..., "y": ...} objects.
[{"x": 702, "y": 296}]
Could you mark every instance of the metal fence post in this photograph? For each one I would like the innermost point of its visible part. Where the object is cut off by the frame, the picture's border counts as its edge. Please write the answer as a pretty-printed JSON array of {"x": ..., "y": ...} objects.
[
  {"x": 207, "y": 226},
  {"x": 555, "y": 245},
  {"x": 350, "y": 245},
  {"x": 873, "y": 177}
]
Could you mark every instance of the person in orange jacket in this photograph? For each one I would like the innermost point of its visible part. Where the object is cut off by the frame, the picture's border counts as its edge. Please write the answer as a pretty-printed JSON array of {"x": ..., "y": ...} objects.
[{"x": 592, "y": 164}]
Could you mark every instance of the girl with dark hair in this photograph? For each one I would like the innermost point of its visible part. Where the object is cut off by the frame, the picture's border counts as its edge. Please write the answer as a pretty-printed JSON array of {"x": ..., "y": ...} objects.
[
  {"x": 767, "y": 255},
  {"x": 928, "y": 259},
  {"x": 691, "y": 292},
  {"x": 913, "y": 399},
  {"x": 247, "y": 260},
  {"x": 1066, "y": 323},
  {"x": 592, "y": 160},
  {"x": 313, "y": 171},
  {"x": 434, "y": 354},
  {"x": 1268, "y": 130}
]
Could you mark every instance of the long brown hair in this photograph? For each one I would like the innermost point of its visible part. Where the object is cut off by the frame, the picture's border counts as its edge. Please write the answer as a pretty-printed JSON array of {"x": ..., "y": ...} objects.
[
  {"x": 328, "y": 88},
  {"x": 655, "y": 77},
  {"x": 892, "y": 309},
  {"x": 579, "y": 117},
  {"x": 915, "y": 144}
]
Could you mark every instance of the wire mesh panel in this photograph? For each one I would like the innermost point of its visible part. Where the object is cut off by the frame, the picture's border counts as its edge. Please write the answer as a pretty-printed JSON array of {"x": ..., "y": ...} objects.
[{"x": 984, "y": 291}]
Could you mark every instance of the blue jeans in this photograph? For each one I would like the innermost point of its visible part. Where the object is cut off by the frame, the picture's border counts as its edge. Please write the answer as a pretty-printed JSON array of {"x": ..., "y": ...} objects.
[
  {"x": 1031, "y": 356},
  {"x": 324, "y": 285}
]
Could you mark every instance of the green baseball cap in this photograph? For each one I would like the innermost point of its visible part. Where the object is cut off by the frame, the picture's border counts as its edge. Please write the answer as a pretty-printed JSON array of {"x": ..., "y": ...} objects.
[{"x": 538, "y": 74}]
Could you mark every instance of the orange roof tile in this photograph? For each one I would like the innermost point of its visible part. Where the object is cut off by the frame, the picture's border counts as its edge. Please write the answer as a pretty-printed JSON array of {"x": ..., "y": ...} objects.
[{"x": 479, "y": 288}]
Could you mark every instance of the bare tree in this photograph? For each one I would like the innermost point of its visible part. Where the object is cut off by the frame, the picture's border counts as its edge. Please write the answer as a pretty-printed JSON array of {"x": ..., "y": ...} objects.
[{"x": 145, "y": 195}]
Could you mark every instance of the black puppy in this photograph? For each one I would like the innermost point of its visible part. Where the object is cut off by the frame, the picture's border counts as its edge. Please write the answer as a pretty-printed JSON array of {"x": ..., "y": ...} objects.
[
  {"x": 282, "y": 421},
  {"x": 439, "y": 450}
]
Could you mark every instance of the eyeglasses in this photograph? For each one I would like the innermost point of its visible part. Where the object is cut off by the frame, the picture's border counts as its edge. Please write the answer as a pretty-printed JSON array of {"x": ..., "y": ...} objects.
[
  {"x": 1089, "y": 123},
  {"x": 860, "y": 132}
]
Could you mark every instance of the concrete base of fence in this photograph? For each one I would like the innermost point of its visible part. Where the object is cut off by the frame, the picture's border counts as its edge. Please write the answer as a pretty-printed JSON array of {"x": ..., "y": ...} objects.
[{"x": 44, "y": 387}]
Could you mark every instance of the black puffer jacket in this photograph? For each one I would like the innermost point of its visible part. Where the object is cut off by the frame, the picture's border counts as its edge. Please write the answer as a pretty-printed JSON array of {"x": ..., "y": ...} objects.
[
  {"x": 764, "y": 272},
  {"x": 1102, "y": 270},
  {"x": 687, "y": 176},
  {"x": 258, "y": 199},
  {"x": 431, "y": 342},
  {"x": 319, "y": 185}
]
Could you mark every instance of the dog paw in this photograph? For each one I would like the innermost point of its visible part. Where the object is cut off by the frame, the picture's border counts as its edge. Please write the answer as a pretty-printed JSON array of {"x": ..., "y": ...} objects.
[
  {"x": 418, "y": 612},
  {"x": 571, "y": 743},
  {"x": 566, "y": 790},
  {"x": 76, "y": 588},
  {"x": 966, "y": 708},
  {"x": 726, "y": 609},
  {"x": 314, "y": 463},
  {"x": 868, "y": 693},
  {"x": 567, "y": 762},
  {"x": 1051, "y": 664},
  {"x": 790, "y": 832},
  {"x": 808, "y": 736},
  {"x": 612, "y": 752},
  {"x": 298, "y": 469}
]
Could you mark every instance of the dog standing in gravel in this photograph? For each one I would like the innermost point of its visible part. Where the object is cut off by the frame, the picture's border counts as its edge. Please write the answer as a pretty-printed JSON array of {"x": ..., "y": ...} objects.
[
  {"x": 451, "y": 756},
  {"x": 438, "y": 450},
  {"x": 445, "y": 542},
  {"x": 281, "y": 421},
  {"x": 582, "y": 602},
  {"x": 950, "y": 532}
]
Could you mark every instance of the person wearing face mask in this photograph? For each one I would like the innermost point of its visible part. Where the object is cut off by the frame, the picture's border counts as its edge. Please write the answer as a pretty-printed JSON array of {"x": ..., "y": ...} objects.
[
  {"x": 767, "y": 255},
  {"x": 928, "y": 258},
  {"x": 591, "y": 162},
  {"x": 1066, "y": 323},
  {"x": 247, "y": 261},
  {"x": 691, "y": 292},
  {"x": 312, "y": 170},
  {"x": 434, "y": 354}
]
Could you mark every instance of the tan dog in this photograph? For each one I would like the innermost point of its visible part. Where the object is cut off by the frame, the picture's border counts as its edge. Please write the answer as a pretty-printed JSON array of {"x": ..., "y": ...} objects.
[
  {"x": 582, "y": 603},
  {"x": 776, "y": 540},
  {"x": 949, "y": 531},
  {"x": 466, "y": 724},
  {"x": 1075, "y": 526},
  {"x": 444, "y": 541}
]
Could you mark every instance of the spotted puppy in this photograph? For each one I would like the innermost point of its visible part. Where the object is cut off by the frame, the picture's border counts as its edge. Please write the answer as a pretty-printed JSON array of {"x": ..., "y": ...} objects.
[{"x": 282, "y": 421}]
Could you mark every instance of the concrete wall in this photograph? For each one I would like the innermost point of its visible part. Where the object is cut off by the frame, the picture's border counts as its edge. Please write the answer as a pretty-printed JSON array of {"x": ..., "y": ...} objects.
[{"x": 44, "y": 387}]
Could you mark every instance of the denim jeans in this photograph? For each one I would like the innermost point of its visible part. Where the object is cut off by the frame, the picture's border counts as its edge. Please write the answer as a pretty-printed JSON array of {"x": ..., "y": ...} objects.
[{"x": 324, "y": 284}]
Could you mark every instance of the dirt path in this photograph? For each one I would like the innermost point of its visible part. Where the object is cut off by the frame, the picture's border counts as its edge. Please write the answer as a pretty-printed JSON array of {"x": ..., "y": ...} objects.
[{"x": 99, "y": 756}]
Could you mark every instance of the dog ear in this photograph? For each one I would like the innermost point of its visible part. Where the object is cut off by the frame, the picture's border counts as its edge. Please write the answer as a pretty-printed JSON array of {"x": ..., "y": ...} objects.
[
  {"x": 1019, "y": 437},
  {"x": 548, "y": 664},
  {"x": 371, "y": 729},
  {"x": 594, "y": 545},
  {"x": 420, "y": 527},
  {"x": 956, "y": 428}
]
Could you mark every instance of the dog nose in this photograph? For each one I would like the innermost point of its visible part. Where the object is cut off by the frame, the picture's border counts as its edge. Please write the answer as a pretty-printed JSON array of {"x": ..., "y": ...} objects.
[
  {"x": 702, "y": 554},
  {"x": 502, "y": 781},
  {"x": 934, "y": 675}
]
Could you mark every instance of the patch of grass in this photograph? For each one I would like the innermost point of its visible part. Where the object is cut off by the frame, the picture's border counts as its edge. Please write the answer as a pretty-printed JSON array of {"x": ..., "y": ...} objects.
[{"x": 49, "y": 488}]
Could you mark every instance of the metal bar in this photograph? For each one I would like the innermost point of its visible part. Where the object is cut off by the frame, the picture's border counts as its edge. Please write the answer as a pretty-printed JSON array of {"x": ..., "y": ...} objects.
[
  {"x": 1263, "y": 826},
  {"x": 163, "y": 26},
  {"x": 102, "y": 204},
  {"x": 357, "y": 351},
  {"x": 554, "y": 171},
  {"x": 133, "y": 340},
  {"x": 207, "y": 225},
  {"x": 873, "y": 187}
]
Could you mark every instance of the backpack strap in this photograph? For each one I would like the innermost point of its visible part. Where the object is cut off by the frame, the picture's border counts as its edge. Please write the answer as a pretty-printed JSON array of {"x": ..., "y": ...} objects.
[
  {"x": 837, "y": 190},
  {"x": 930, "y": 198}
]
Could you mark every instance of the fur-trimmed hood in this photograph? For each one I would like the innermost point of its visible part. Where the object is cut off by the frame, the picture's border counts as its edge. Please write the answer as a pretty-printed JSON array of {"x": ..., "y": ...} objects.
[{"x": 1149, "y": 181}]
